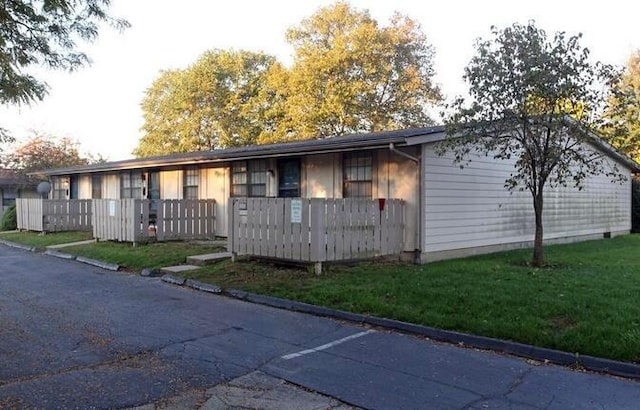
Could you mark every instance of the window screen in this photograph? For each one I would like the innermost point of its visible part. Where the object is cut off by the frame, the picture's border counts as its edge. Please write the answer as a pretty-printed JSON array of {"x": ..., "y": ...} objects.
[{"x": 358, "y": 175}]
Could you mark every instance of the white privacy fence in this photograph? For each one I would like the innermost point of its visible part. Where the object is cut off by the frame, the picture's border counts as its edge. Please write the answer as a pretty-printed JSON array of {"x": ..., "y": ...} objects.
[
  {"x": 317, "y": 229},
  {"x": 53, "y": 215},
  {"x": 139, "y": 220}
]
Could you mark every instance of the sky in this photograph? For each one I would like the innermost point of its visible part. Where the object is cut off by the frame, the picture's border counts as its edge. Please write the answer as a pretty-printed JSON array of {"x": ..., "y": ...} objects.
[{"x": 99, "y": 105}]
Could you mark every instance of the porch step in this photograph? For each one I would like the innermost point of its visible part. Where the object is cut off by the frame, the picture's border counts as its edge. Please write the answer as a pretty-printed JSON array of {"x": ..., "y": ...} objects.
[
  {"x": 216, "y": 242},
  {"x": 178, "y": 269},
  {"x": 64, "y": 245},
  {"x": 208, "y": 258}
]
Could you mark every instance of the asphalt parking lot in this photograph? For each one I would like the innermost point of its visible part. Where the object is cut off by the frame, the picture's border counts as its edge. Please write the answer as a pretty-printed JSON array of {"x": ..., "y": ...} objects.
[{"x": 76, "y": 336}]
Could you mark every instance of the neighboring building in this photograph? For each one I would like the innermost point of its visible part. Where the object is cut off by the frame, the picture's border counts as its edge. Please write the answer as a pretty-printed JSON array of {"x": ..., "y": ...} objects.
[
  {"x": 449, "y": 211},
  {"x": 14, "y": 185}
]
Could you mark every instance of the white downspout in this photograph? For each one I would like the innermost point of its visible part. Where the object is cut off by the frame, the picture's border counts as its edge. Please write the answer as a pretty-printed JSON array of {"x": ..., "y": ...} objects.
[
  {"x": 393, "y": 148},
  {"x": 418, "y": 237}
]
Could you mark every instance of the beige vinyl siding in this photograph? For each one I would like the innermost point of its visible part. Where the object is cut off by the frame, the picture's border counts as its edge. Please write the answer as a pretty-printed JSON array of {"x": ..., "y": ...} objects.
[
  {"x": 272, "y": 178},
  {"x": 171, "y": 184},
  {"x": 84, "y": 187},
  {"x": 321, "y": 176},
  {"x": 28, "y": 193},
  {"x": 215, "y": 184},
  {"x": 470, "y": 208},
  {"x": 398, "y": 177},
  {"x": 111, "y": 186},
  {"x": 394, "y": 177}
]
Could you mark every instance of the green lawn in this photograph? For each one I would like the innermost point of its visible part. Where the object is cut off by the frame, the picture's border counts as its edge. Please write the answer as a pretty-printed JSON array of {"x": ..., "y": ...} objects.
[
  {"x": 153, "y": 255},
  {"x": 587, "y": 301},
  {"x": 136, "y": 258},
  {"x": 41, "y": 241}
]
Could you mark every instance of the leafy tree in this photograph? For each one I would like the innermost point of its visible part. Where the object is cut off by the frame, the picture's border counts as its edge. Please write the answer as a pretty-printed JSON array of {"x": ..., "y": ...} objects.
[
  {"x": 44, "y": 33},
  {"x": 622, "y": 117},
  {"x": 352, "y": 75},
  {"x": 209, "y": 104},
  {"x": 533, "y": 99},
  {"x": 9, "y": 220},
  {"x": 42, "y": 152}
]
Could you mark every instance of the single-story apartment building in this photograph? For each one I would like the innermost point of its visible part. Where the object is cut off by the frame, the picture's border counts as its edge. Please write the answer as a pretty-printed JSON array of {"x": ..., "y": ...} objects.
[
  {"x": 449, "y": 211},
  {"x": 14, "y": 184}
]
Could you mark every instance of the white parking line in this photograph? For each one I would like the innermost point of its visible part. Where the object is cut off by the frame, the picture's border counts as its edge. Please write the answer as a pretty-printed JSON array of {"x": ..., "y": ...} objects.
[{"x": 326, "y": 346}]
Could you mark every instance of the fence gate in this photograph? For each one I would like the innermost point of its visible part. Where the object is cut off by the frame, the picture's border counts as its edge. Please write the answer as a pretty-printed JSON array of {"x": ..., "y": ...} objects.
[
  {"x": 139, "y": 220},
  {"x": 53, "y": 215}
]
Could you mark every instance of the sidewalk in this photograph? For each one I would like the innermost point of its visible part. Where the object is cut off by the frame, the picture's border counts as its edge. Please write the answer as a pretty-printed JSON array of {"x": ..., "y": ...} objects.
[{"x": 255, "y": 390}]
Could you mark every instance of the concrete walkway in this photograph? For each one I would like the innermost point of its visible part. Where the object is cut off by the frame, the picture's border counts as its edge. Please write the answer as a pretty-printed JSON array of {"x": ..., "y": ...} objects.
[
  {"x": 178, "y": 269},
  {"x": 66, "y": 245},
  {"x": 208, "y": 258},
  {"x": 255, "y": 391},
  {"x": 196, "y": 261}
]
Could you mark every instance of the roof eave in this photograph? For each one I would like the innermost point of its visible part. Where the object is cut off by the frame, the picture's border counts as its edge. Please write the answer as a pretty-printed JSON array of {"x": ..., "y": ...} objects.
[{"x": 338, "y": 144}]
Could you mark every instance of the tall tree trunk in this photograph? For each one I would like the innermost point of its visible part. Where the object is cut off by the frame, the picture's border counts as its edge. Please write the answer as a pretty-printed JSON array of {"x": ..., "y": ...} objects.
[{"x": 538, "y": 251}]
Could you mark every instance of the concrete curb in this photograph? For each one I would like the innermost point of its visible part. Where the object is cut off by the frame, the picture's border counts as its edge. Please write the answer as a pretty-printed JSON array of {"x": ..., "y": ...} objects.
[
  {"x": 542, "y": 354},
  {"x": 100, "y": 264},
  {"x": 151, "y": 272},
  {"x": 174, "y": 280},
  {"x": 19, "y": 246},
  {"x": 60, "y": 255},
  {"x": 205, "y": 287}
]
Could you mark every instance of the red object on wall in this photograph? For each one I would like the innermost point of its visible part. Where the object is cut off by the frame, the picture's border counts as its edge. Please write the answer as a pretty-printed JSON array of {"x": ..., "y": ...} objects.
[{"x": 381, "y": 202}]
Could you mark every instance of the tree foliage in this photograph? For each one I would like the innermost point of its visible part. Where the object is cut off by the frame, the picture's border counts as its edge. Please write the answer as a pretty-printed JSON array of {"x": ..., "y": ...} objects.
[
  {"x": 9, "y": 220},
  {"x": 42, "y": 152},
  {"x": 351, "y": 74},
  {"x": 622, "y": 117},
  {"x": 209, "y": 104},
  {"x": 533, "y": 99},
  {"x": 44, "y": 33}
]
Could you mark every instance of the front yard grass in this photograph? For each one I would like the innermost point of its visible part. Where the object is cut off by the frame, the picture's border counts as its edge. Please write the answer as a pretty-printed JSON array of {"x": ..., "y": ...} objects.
[
  {"x": 136, "y": 258},
  {"x": 43, "y": 240},
  {"x": 586, "y": 301}
]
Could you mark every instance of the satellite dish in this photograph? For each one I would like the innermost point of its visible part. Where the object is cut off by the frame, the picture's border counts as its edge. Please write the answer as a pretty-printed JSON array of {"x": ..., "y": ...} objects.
[{"x": 44, "y": 188}]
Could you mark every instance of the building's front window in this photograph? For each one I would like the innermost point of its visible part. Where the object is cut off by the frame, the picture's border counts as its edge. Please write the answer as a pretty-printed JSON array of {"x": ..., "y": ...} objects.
[
  {"x": 131, "y": 184},
  {"x": 9, "y": 196},
  {"x": 60, "y": 189},
  {"x": 358, "y": 175},
  {"x": 249, "y": 178},
  {"x": 191, "y": 178}
]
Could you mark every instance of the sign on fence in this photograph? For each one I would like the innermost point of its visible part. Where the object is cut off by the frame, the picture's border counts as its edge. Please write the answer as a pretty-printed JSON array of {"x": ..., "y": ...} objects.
[{"x": 296, "y": 211}]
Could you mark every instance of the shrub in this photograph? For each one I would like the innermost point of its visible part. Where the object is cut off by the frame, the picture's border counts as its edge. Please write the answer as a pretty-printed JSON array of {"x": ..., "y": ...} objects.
[{"x": 9, "y": 220}]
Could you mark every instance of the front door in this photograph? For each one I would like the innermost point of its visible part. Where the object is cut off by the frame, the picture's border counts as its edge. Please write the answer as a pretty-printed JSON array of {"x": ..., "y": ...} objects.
[
  {"x": 289, "y": 178},
  {"x": 153, "y": 193},
  {"x": 73, "y": 192}
]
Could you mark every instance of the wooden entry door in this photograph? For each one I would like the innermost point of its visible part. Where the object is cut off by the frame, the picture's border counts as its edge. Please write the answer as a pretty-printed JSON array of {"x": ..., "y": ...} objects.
[{"x": 289, "y": 178}]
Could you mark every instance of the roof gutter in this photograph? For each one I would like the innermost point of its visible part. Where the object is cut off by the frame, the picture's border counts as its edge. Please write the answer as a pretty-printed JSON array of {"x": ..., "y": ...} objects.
[{"x": 168, "y": 163}]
